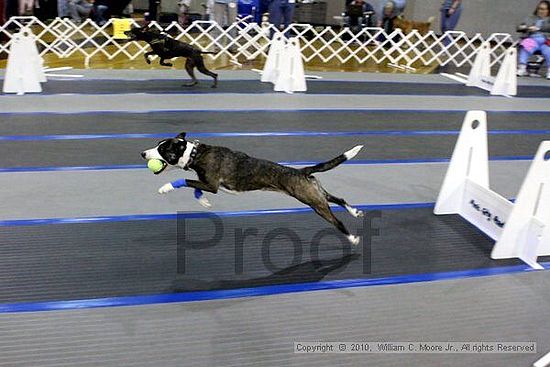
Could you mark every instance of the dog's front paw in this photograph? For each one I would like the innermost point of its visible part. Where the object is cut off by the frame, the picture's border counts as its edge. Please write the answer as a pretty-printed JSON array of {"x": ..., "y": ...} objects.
[
  {"x": 205, "y": 202},
  {"x": 166, "y": 188}
]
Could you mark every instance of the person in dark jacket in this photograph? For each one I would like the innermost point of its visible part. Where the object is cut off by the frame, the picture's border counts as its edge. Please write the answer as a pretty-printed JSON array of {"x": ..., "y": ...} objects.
[{"x": 365, "y": 18}]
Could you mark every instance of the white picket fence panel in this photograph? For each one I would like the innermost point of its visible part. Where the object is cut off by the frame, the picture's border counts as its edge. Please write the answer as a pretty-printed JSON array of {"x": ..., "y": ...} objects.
[{"x": 244, "y": 39}]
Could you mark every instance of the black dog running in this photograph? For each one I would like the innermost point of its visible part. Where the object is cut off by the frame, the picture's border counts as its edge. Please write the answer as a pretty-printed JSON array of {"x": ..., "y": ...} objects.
[{"x": 166, "y": 47}]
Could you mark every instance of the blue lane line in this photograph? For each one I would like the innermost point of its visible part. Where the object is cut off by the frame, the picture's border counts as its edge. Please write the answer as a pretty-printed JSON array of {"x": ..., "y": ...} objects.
[
  {"x": 259, "y": 134},
  {"x": 189, "y": 215},
  {"x": 260, "y": 291},
  {"x": 71, "y": 168},
  {"x": 292, "y": 163}
]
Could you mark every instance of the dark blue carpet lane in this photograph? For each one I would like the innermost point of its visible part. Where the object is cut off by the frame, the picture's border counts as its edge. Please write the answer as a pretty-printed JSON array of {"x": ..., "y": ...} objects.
[
  {"x": 79, "y": 261},
  {"x": 244, "y": 121},
  {"x": 169, "y": 86}
]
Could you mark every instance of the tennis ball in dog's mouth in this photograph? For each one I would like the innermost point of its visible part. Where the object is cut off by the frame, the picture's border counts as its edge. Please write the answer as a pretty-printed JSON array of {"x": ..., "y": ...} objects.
[{"x": 155, "y": 165}]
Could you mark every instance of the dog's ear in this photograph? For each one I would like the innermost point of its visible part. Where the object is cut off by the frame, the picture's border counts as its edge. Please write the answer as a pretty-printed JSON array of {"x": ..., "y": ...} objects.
[{"x": 181, "y": 135}]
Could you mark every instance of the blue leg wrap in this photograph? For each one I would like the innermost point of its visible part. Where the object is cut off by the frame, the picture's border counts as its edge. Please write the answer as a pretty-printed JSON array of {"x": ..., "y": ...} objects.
[
  {"x": 179, "y": 183},
  {"x": 198, "y": 194}
]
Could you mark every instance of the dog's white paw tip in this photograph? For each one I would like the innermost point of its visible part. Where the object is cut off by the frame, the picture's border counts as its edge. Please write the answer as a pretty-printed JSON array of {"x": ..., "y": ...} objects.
[
  {"x": 354, "y": 240},
  {"x": 166, "y": 188},
  {"x": 355, "y": 212},
  {"x": 205, "y": 202},
  {"x": 353, "y": 152}
]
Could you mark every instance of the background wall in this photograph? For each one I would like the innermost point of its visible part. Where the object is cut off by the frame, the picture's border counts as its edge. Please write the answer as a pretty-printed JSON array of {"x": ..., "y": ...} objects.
[{"x": 479, "y": 16}]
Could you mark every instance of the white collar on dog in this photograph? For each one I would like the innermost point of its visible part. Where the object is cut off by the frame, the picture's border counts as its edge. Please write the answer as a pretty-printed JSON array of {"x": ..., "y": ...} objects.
[{"x": 189, "y": 154}]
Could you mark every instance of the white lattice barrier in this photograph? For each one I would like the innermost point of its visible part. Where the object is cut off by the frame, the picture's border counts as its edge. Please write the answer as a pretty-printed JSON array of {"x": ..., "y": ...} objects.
[{"x": 250, "y": 41}]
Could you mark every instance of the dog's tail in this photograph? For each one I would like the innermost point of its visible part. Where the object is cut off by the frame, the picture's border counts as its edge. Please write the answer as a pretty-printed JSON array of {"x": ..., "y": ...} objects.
[{"x": 325, "y": 166}]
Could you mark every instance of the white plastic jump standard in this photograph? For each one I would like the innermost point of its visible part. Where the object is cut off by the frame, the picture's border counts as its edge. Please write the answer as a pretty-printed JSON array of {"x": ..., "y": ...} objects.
[
  {"x": 543, "y": 362},
  {"x": 291, "y": 77},
  {"x": 284, "y": 66},
  {"x": 272, "y": 65},
  {"x": 505, "y": 83},
  {"x": 520, "y": 230},
  {"x": 480, "y": 75},
  {"x": 527, "y": 232},
  {"x": 24, "y": 71}
]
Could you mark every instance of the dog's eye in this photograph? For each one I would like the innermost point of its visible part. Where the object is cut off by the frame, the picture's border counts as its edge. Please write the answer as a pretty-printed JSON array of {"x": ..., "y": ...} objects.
[
  {"x": 172, "y": 158},
  {"x": 161, "y": 148}
]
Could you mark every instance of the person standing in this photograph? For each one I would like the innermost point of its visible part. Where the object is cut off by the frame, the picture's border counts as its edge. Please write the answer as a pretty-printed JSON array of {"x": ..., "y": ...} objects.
[
  {"x": 224, "y": 12},
  {"x": 450, "y": 14},
  {"x": 152, "y": 14},
  {"x": 399, "y": 6},
  {"x": 2, "y": 13},
  {"x": 281, "y": 13},
  {"x": 79, "y": 10}
]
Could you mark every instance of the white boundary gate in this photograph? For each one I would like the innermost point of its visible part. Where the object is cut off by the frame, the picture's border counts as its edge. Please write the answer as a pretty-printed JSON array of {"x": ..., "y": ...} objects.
[
  {"x": 250, "y": 40},
  {"x": 520, "y": 229}
]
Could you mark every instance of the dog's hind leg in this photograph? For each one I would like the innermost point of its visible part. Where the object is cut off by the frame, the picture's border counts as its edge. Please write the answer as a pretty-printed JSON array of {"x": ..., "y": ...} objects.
[
  {"x": 314, "y": 196},
  {"x": 189, "y": 66},
  {"x": 199, "y": 62},
  {"x": 324, "y": 211},
  {"x": 339, "y": 201}
]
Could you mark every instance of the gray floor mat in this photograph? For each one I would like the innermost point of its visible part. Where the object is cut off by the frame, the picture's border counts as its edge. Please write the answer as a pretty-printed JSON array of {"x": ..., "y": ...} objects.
[
  {"x": 70, "y": 103},
  {"x": 69, "y": 194}
]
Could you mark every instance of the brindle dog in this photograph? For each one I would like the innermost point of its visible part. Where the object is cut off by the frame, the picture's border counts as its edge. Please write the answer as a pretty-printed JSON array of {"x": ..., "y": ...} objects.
[{"x": 222, "y": 168}]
